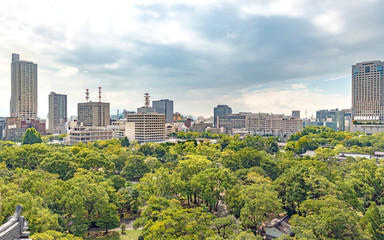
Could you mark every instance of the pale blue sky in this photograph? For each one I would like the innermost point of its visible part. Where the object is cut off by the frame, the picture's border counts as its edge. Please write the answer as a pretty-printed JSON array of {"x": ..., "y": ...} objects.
[{"x": 259, "y": 56}]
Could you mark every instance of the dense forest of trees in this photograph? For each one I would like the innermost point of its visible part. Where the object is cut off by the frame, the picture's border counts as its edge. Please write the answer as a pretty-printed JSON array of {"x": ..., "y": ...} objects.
[{"x": 179, "y": 190}]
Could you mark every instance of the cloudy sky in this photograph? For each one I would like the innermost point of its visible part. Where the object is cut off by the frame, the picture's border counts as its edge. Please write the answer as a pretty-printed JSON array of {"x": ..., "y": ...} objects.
[{"x": 254, "y": 55}]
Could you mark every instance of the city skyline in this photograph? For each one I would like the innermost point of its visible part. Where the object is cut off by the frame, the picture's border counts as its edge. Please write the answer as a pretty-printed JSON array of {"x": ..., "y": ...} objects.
[{"x": 253, "y": 56}]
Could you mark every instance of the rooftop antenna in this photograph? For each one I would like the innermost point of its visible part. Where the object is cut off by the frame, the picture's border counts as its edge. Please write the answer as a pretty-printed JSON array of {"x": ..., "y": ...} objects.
[
  {"x": 87, "y": 94},
  {"x": 99, "y": 94},
  {"x": 147, "y": 102}
]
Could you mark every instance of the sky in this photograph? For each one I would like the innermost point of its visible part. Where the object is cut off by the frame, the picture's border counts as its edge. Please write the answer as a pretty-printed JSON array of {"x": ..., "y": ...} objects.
[{"x": 253, "y": 55}]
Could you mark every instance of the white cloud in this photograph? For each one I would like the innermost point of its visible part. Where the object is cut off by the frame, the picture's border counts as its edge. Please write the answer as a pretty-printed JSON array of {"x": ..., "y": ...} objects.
[
  {"x": 329, "y": 22},
  {"x": 284, "y": 100},
  {"x": 67, "y": 72}
]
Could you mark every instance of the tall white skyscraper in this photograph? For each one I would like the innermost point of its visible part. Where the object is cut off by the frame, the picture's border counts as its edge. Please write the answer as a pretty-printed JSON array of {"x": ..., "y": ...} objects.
[
  {"x": 23, "y": 89},
  {"x": 368, "y": 91}
]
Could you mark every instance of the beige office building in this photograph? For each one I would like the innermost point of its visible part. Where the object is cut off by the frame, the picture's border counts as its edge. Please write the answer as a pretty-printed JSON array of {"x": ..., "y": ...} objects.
[
  {"x": 145, "y": 127},
  {"x": 368, "y": 91},
  {"x": 89, "y": 134},
  {"x": 93, "y": 114},
  {"x": 23, "y": 102},
  {"x": 261, "y": 124}
]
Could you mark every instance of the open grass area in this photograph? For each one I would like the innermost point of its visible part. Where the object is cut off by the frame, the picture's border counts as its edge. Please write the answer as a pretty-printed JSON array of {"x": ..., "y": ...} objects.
[{"x": 116, "y": 235}]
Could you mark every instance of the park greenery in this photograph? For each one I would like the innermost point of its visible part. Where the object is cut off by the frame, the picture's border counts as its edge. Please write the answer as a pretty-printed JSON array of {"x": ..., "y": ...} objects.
[{"x": 192, "y": 189}]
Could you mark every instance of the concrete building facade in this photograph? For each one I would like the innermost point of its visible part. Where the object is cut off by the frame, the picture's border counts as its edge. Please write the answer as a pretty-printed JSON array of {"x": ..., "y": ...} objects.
[
  {"x": 295, "y": 113},
  {"x": 368, "y": 91},
  {"x": 145, "y": 127},
  {"x": 164, "y": 106},
  {"x": 89, "y": 134},
  {"x": 23, "y": 102},
  {"x": 93, "y": 114},
  {"x": 220, "y": 110},
  {"x": 57, "y": 114},
  {"x": 261, "y": 124},
  {"x": 333, "y": 118}
]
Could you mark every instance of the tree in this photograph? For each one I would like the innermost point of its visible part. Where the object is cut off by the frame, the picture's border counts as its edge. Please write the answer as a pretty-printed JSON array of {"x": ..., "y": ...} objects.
[
  {"x": 326, "y": 218},
  {"x": 166, "y": 219},
  {"x": 372, "y": 223},
  {"x": 225, "y": 226},
  {"x": 107, "y": 217},
  {"x": 125, "y": 142},
  {"x": 211, "y": 183},
  {"x": 123, "y": 227},
  {"x": 31, "y": 136},
  {"x": 261, "y": 204},
  {"x": 135, "y": 167}
]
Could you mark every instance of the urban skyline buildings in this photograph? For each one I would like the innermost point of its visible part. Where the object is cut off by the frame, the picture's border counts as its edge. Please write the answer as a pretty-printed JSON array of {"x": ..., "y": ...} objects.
[
  {"x": 57, "y": 113},
  {"x": 94, "y": 114},
  {"x": 164, "y": 106},
  {"x": 368, "y": 91},
  {"x": 220, "y": 110},
  {"x": 24, "y": 89}
]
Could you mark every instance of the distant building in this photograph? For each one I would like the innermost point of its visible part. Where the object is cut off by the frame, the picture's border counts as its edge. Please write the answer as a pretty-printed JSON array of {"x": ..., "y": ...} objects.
[
  {"x": 57, "y": 115},
  {"x": 309, "y": 123},
  {"x": 3, "y": 125},
  {"x": 188, "y": 122},
  {"x": 177, "y": 117},
  {"x": 368, "y": 91},
  {"x": 232, "y": 121},
  {"x": 88, "y": 134},
  {"x": 200, "y": 127},
  {"x": 296, "y": 114},
  {"x": 335, "y": 116},
  {"x": 23, "y": 89},
  {"x": 16, "y": 128},
  {"x": 145, "y": 127},
  {"x": 164, "y": 106},
  {"x": 93, "y": 114},
  {"x": 220, "y": 110},
  {"x": 260, "y": 124},
  {"x": 147, "y": 106}
]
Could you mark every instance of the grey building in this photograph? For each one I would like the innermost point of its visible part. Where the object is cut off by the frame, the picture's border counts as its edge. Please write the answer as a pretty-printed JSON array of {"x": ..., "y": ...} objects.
[
  {"x": 164, "y": 106},
  {"x": 233, "y": 121},
  {"x": 335, "y": 116},
  {"x": 94, "y": 114},
  {"x": 296, "y": 114},
  {"x": 220, "y": 110},
  {"x": 23, "y": 102},
  {"x": 200, "y": 127},
  {"x": 368, "y": 91},
  {"x": 57, "y": 114}
]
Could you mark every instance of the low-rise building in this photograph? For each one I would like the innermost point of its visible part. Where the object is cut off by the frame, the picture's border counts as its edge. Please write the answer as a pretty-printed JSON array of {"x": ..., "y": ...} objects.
[
  {"x": 88, "y": 134},
  {"x": 200, "y": 127},
  {"x": 261, "y": 124},
  {"x": 16, "y": 128}
]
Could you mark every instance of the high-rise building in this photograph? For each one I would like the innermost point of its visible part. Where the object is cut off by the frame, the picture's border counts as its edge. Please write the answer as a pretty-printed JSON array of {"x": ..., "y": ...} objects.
[
  {"x": 164, "y": 106},
  {"x": 93, "y": 114},
  {"x": 23, "y": 102},
  {"x": 220, "y": 110},
  {"x": 368, "y": 91},
  {"x": 57, "y": 115}
]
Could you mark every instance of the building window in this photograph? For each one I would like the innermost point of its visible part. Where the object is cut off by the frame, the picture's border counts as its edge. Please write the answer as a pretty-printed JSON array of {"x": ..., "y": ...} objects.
[{"x": 367, "y": 69}]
